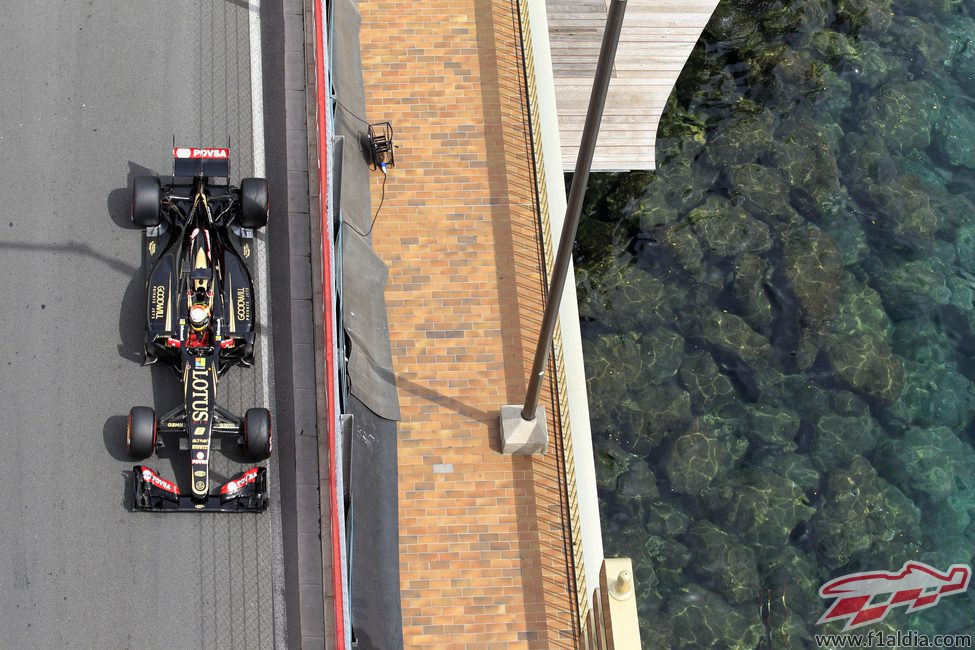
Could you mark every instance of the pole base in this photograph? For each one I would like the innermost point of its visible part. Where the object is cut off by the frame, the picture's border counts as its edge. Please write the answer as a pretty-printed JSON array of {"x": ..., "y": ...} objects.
[{"x": 523, "y": 437}]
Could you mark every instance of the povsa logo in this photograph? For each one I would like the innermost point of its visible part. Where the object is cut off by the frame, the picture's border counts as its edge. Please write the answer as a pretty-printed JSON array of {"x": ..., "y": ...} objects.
[
  {"x": 193, "y": 152},
  {"x": 865, "y": 598}
]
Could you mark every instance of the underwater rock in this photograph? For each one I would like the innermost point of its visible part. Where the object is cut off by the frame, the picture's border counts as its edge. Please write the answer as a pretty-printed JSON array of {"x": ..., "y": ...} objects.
[
  {"x": 744, "y": 139},
  {"x": 842, "y": 222},
  {"x": 795, "y": 467},
  {"x": 638, "y": 413},
  {"x": 865, "y": 362},
  {"x": 667, "y": 409},
  {"x": 860, "y": 309},
  {"x": 771, "y": 425},
  {"x": 748, "y": 287},
  {"x": 807, "y": 348},
  {"x": 919, "y": 340},
  {"x": 930, "y": 464},
  {"x": 727, "y": 565},
  {"x": 965, "y": 247},
  {"x": 669, "y": 558},
  {"x": 813, "y": 267},
  {"x": 911, "y": 289},
  {"x": 836, "y": 49},
  {"x": 708, "y": 387},
  {"x": 963, "y": 57},
  {"x": 867, "y": 164},
  {"x": 934, "y": 395},
  {"x": 837, "y": 439},
  {"x": 625, "y": 298},
  {"x": 702, "y": 620},
  {"x": 920, "y": 41},
  {"x": 656, "y": 629},
  {"x": 611, "y": 461},
  {"x": 661, "y": 353},
  {"x": 805, "y": 152},
  {"x": 954, "y": 130},
  {"x": 905, "y": 210},
  {"x": 726, "y": 230},
  {"x": 803, "y": 16},
  {"x": 792, "y": 578},
  {"x": 653, "y": 213},
  {"x": 727, "y": 333},
  {"x": 682, "y": 248},
  {"x": 941, "y": 8},
  {"x": 860, "y": 509},
  {"x": 763, "y": 193},
  {"x": 665, "y": 518},
  {"x": 759, "y": 506},
  {"x": 845, "y": 403},
  {"x": 951, "y": 208},
  {"x": 864, "y": 17},
  {"x": 934, "y": 180},
  {"x": 797, "y": 392},
  {"x": 732, "y": 25},
  {"x": 877, "y": 66},
  {"x": 903, "y": 114},
  {"x": 637, "y": 483},
  {"x": 614, "y": 362},
  {"x": 684, "y": 185},
  {"x": 697, "y": 457},
  {"x": 796, "y": 73}
]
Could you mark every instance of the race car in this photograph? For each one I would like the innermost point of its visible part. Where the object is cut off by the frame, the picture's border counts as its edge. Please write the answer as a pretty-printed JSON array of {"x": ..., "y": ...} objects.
[{"x": 200, "y": 320}]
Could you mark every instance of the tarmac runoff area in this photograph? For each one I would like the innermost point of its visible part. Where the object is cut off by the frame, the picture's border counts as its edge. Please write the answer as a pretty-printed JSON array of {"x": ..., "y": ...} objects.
[{"x": 97, "y": 92}]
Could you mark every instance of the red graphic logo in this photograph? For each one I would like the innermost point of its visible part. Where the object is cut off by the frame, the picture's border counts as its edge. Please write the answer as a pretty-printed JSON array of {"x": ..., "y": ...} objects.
[
  {"x": 151, "y": 477},
  {"x": 865, "y": 598},
  {"x": 243, "y": 480},
  {"x": 194, "y": 152}
]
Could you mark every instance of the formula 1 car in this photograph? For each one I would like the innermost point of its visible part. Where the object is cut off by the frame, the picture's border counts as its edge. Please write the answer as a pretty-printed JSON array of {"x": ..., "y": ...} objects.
[{"x": 200, "y": 320}]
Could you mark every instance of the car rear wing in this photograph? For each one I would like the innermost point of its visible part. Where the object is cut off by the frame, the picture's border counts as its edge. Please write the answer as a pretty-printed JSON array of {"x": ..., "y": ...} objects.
[{"x": 195, "y": 162}]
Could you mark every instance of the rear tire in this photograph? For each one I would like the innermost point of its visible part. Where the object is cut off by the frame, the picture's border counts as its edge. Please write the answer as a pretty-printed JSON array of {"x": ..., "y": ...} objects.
[
  {"x": 253, "y": 203},
  {"x": 257, "y": 434},
  {"x": 146, "y": 196},
  {"x": 140, "y": 436}
]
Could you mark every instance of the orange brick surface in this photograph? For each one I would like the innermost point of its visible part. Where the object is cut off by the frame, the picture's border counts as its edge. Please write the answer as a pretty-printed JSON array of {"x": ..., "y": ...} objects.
[{"x": 484, "y": 561}]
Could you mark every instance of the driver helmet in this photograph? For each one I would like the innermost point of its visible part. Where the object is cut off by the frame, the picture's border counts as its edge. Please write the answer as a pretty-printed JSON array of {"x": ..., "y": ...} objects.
[{"x": 199, "y": 316}]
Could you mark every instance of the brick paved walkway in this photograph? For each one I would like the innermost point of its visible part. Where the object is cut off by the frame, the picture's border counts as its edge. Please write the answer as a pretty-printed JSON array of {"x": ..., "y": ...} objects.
[{"x": 484, "y": 559}]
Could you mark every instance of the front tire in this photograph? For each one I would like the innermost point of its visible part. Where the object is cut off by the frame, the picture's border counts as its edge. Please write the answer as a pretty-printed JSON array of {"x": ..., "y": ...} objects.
[
  {"x": 253, "y": 203},
  {"x": 140, "y": 436},
  {"x": 146, "y": 196},
  {"x": 257, "y": 434}
]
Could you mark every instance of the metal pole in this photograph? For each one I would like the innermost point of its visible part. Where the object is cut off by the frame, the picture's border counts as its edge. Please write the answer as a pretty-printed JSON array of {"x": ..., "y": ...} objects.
[{"x": 573, "y": 209}]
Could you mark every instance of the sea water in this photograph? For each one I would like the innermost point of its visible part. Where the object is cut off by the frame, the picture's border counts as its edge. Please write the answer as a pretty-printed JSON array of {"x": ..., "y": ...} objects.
[{"x": 779, "y": 323}]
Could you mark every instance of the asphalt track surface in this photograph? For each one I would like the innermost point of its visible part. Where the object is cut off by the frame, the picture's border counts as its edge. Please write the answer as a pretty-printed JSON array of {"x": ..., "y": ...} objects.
[{"x": 91, "y": 93}]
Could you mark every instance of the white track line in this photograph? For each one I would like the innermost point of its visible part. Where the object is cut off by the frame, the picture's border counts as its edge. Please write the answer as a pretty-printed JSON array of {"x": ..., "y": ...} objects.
[{"x": 264, "y": 313}]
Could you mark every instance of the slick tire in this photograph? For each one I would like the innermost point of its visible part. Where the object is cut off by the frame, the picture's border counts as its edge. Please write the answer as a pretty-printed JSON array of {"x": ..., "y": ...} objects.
[
  {"x": 140, "y": 436},
  {"x": 145, "y": 201},
  {"x": 257, "y": 434},
  {"x": 253, "y": 203}
]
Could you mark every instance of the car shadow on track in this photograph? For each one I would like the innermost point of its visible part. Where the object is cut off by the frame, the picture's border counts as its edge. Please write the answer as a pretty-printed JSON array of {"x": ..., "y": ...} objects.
[
  {"x": 120, "y": 200},
  {"x": 166, "y": 389}
]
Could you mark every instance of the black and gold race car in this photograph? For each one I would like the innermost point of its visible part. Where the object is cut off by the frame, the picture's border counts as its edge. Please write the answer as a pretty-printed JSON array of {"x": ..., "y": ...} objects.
[{"x": 200, "y": 320}]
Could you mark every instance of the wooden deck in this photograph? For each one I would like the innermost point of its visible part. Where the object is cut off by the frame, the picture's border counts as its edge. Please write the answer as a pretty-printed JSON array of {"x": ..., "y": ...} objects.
[{"x": 657, "y": 38}]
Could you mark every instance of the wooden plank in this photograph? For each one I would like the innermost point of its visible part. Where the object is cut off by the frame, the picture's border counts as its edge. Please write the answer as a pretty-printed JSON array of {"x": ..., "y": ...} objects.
[{"x": 657, "y": 38}]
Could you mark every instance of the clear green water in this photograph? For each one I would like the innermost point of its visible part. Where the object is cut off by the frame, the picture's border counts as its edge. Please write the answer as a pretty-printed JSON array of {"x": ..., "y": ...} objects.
[{"x": 779, "y": 323}]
